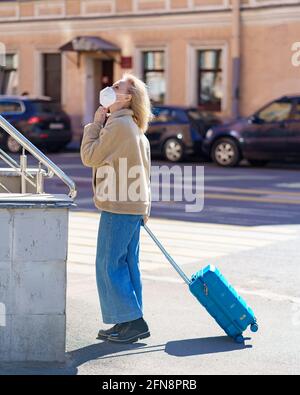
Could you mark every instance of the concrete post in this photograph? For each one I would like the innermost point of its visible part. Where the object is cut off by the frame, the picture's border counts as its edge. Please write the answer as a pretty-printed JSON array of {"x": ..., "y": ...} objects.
[{"x": 33, "y": 256}]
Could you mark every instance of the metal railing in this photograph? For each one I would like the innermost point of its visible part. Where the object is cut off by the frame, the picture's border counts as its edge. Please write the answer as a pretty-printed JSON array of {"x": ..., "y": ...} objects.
[{"x": 52, "y": 168}]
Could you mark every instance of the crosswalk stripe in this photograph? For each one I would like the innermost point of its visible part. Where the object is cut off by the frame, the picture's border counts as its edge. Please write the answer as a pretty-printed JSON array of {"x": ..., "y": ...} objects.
[
  {"x": 172, "y": 237},
  {"x": 92, "y": 219},
  {"x": 147, "y": 247},
  {"x": 78, "y": 242},
  {"x": 199, "y": 228},
  {"x": 248, "y": 191},
  {"x": 214, "y": 240},
  {"x": 244, "y": 238},
  {"x": 188, "y": 243},
  {"x": 152, "y": 256},
  {"x": 251, "y": 199}
]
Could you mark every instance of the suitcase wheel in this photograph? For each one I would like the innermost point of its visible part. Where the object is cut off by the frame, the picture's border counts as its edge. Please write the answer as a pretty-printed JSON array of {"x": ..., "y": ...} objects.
[
  {"x": 254, "y": 328},
  {"x": 239, "y": 339}
]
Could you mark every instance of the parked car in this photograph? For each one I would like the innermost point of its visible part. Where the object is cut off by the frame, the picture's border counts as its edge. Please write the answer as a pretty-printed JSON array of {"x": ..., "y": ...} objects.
[
  {"x": 178, "y": 131},
  {"x": 271, "y": 133},
  {"x": 39, "y": 119}
]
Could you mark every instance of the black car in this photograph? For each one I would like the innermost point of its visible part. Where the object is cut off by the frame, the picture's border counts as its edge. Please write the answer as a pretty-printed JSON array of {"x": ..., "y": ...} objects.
[
  {"x": 271, "y": 133},
  {"x": 177, "y": 131},
  {"x": 39, "y": 119}
]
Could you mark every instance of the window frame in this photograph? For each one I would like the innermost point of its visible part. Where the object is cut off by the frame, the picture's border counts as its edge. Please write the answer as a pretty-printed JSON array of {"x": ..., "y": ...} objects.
[
  {"x": 15, "y": 68},
  {"x": 192, "y": 68},
  {"x": 138, "y": 63},
  {"x": 200, "y": 71},
  {"x": 145, "y": 71}
]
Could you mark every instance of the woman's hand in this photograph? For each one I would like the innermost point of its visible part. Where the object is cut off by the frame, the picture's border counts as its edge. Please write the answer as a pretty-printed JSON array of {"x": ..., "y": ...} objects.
[
  {"x": 100, "y": 115},
  {"x": 145, "y": 219}
]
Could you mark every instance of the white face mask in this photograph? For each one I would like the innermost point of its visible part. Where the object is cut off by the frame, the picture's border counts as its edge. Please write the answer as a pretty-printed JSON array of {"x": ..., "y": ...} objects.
[{"x": 107, "y": 97}]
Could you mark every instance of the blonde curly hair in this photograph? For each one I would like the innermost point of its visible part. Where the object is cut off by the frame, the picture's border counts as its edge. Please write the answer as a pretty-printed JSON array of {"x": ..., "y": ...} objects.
[{"x": 140, "y": 102}]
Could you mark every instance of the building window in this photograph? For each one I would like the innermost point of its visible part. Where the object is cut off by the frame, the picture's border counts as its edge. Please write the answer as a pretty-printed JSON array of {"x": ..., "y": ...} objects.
[
  {"x": 210, "y": 80},
  {"x": 9, "y": 75},
  {"x": 52, "y": 76},
  {"x": 154, "y": 75}
]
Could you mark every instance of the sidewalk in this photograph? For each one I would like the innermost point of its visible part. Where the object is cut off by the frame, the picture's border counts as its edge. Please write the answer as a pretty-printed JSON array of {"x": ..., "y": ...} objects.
[{"x": 263, "y": 264}]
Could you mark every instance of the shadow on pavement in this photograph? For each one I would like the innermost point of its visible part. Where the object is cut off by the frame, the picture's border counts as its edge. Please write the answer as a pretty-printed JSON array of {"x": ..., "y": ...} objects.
[
  {"x": 74, "y": 359},
  {"x": 210, "y": 345},
  {"x": 102, "y": 350},
  {"x": 105, "y": 350}
]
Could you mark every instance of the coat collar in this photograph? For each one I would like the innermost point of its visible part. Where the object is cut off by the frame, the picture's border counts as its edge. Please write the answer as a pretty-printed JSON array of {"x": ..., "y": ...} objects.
[{"x": 121, "y": 113}]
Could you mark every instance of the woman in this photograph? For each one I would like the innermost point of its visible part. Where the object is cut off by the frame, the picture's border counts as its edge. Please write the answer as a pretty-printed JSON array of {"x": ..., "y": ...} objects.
[{"x": 119, "y": 153}]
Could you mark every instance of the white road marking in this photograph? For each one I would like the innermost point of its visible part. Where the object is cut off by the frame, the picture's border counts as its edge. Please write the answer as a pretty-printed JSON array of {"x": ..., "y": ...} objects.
[
  {"x": 269, "y": 295},
  {"x": 187, "y": 242},
  {"x": 292, "y": 185}
]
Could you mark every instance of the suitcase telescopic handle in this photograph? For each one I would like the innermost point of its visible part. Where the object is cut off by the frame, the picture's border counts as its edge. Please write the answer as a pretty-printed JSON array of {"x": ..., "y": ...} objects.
[{"x": 167, "y": 255}]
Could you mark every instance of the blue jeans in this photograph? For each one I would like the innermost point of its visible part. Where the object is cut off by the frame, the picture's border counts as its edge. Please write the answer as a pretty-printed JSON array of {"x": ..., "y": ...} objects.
[{"x": 117, "y": 267}]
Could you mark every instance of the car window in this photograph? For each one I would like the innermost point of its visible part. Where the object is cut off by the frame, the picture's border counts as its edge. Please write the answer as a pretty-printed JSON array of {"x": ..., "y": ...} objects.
[
  {"x": 180, "y": 115},
  {"x": 47, "y": 107},
  {"x": 296, "y": 112},
  {"x": 162, "y": 115},
  {"x": 10, "y": 107},
  {"x": 276, "y": 112},
  {"x": 195, "y": 115}
]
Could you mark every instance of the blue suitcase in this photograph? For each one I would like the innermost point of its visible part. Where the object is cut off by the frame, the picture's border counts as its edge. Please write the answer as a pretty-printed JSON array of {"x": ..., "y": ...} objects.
[{"x": 219, "y": 298}]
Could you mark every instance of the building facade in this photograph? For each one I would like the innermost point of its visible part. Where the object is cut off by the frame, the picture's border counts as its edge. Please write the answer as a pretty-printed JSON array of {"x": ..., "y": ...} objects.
[{"x": 215, "y": 54}]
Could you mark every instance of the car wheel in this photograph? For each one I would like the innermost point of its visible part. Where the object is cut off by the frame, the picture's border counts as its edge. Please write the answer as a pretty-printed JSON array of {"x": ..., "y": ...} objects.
[
  {"x": 12, "y": 145},
  {"x": 257, "y": 163},
  {"x": 173, "y": 150},
  {"x": 226, "y": 153}
]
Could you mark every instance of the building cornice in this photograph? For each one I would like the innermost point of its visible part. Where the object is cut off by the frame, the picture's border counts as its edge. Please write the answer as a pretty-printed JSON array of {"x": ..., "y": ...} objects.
[{"x": 263, "y": 14}]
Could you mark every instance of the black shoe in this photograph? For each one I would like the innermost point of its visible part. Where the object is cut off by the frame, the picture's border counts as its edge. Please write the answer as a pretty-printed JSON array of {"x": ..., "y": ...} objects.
[
  {"x": 104, "y": 334},
  {"x": 131, "y": 332}
]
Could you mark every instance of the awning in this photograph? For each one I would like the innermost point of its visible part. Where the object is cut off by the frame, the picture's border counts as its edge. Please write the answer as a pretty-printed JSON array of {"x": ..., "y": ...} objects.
[{"x": 88, "y": 44}]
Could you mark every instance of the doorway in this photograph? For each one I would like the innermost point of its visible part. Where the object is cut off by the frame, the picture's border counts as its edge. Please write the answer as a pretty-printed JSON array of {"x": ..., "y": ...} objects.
[
  {"x": 99, "y": 75},
  {"x": 52, "y": 76}
]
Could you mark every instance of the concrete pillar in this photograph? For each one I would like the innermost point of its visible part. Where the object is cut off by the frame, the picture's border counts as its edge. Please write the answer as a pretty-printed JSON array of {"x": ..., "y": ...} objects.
[{"x": 33, "y": 256}]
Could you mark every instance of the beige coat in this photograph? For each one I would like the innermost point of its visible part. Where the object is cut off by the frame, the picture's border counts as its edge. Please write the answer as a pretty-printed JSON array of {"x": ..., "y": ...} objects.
[{"x": 119, "y": 154}]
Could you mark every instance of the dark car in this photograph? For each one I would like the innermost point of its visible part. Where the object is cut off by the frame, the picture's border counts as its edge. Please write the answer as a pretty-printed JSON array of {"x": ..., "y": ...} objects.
[
  {"x": 39, "y": 119},
  {"x": 272, "y": 133},
  {"x": 177, "y": 131}
]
